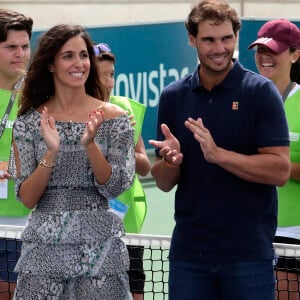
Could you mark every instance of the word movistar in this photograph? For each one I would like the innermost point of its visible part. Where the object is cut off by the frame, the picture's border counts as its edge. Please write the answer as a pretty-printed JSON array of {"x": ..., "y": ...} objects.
[{"x": 145, "y": 87}]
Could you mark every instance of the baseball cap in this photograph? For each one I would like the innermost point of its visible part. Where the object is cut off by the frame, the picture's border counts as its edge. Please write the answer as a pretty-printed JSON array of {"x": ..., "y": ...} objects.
[{"x": 278, "y": 35}]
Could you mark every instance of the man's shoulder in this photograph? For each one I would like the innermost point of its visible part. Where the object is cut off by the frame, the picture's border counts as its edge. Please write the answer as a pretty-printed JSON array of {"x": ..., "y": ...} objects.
[
  {"x": 249, "y": 80},
  {"x": 252, "y": 76},
  {"x": 180, "y": 84}
]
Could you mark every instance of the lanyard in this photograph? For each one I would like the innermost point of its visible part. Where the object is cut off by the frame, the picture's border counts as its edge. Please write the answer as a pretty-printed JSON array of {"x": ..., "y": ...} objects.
[
  {"x": 287, "y": 90},
  {"x": 15, "y": 89}
]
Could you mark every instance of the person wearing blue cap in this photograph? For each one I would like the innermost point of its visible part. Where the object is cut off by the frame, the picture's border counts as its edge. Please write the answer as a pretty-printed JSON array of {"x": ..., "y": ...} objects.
[{"x": 134, "y": 199}]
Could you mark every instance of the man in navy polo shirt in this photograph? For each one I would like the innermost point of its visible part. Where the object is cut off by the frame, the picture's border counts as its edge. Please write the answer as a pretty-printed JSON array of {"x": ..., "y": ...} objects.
[{"x": 222, "y": 138}]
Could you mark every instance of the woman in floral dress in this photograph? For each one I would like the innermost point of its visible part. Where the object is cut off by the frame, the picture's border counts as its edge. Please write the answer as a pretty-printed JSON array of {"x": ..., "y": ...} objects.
[{"x": 72, "y": 153}]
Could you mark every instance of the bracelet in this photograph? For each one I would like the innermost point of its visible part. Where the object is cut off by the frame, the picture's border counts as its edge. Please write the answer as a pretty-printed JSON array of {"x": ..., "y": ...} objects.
[
  {"x": 169, "y": 165},
  {"x": 44, "y": 163}
]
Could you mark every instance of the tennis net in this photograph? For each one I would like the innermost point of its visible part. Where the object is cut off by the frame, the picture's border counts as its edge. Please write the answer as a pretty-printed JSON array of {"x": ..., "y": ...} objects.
[{"x": 156, "y": 265}]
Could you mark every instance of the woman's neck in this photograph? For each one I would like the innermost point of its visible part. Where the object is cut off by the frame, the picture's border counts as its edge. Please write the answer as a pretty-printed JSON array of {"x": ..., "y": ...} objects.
[{"x": 282, "y": 85}]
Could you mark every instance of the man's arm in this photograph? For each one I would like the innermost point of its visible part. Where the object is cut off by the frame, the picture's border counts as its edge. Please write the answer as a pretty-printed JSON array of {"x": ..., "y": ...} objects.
[
  {"x": 165, "y": 175},
  {"x": 271, "y": 165},
  {"x": 166, "y": 168}
]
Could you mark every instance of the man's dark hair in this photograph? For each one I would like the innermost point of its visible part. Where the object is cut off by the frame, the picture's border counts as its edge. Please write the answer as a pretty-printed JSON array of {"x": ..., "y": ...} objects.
[
  {"x": 12, "y": 20},
  {"x": 216, "y": 10}
]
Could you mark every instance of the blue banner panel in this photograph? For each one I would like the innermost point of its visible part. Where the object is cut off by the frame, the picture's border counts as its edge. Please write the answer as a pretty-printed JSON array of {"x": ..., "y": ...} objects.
[{"x": 148, "y": 57}]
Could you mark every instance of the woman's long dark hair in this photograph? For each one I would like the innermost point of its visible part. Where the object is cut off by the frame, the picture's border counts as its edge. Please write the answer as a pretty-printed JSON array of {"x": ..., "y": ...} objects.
[
  {"x": 39, "y": 83},
  {"x": 295, "y": 70}
]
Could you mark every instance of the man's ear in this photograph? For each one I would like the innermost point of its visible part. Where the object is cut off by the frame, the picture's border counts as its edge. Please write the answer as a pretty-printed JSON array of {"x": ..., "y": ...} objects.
[{"x": 192, "y": 40}]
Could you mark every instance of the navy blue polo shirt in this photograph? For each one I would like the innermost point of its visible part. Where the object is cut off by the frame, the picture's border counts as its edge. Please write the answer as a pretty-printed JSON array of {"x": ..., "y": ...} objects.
[{"x": 219, "y": 216}]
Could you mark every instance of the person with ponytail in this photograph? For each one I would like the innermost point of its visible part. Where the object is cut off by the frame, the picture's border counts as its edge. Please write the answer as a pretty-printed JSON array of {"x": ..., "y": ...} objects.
[
  {"x": 277, "y": 57},
  {"x": 134, "y": 199}
]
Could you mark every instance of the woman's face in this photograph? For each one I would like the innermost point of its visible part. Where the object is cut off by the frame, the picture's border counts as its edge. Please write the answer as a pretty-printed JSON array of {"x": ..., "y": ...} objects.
[
  {"x": 106, "y": 71},
  {"x": 71, "y": 64},
  {"x": 272, "y": 65}
]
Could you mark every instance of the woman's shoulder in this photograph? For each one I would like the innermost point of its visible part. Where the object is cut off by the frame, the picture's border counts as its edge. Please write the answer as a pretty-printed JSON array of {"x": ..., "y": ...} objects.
[
  {"x": 112, "y": 111},
  {"x": 30, "y": 115},
  {"x": 27, "y": 123},
  {"x": 294, "y": 96}
]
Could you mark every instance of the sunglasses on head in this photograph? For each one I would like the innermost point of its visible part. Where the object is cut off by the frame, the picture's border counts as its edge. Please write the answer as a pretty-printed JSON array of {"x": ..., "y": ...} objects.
[{"x": 101, "y": 47}]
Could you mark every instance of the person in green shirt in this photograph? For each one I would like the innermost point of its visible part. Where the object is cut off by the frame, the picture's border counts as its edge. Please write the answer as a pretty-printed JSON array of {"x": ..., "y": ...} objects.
[
  {"x": 277, "y": 57},
  {"x": 15, "y": 35},
  {"x": 133, "y": 201}
]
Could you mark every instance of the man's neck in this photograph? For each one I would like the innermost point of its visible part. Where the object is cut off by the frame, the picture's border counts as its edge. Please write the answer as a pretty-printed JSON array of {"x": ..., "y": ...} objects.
[
  {"x": 7, "y": 83},
  {"x": 209, "y": 79}
]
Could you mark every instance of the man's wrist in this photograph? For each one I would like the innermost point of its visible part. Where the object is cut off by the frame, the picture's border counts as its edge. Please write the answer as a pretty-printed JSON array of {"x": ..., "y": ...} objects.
[{"x": 168, "y": 164}]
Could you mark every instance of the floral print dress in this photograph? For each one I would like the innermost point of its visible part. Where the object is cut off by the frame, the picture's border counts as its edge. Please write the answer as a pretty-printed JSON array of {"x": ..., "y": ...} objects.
[{"x": 71, "y": 233}]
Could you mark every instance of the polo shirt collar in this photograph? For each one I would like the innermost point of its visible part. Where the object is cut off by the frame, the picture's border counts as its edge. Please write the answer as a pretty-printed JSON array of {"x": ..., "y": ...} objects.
[{"x": 230, "y": 81}]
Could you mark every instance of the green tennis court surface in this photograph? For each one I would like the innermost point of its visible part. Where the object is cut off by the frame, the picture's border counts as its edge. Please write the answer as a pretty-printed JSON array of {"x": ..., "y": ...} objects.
[
  {"x": 159, "y": 218},
  {"x": 159, "y": 221}
]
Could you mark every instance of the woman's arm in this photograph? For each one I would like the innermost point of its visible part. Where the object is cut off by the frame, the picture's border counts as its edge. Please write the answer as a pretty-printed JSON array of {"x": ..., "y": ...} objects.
[
  {"x": 142, "y": 162},
  {"x": 32, "y": 188},
  {"x": 111, "y": 153},
  {"x": 33, "y": 179}
]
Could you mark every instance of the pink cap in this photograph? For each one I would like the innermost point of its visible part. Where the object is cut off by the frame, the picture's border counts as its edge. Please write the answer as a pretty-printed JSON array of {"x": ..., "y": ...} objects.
[{"x": 278, "y": 35}]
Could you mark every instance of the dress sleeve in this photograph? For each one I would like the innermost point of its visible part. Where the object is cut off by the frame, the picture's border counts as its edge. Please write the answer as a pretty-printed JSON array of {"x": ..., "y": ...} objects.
[
  {"x": 118, "y": 147},
  {"x": 23, "y": 139}
]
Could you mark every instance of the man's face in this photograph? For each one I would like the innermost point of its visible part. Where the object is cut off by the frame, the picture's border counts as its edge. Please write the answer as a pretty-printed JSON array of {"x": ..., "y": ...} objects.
[
  {"x": 14, "y": 56},
  {"x": 215, "y": 44}
]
